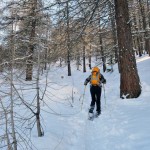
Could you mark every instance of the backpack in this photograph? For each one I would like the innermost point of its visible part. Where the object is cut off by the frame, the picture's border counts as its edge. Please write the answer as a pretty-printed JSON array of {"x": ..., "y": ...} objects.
[{"x": 95, "y": 76}]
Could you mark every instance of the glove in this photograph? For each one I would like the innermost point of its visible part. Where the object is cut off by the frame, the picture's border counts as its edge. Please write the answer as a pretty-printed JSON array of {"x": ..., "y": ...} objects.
[
  {"x": 85, "y": 83},
  {"x": 104, "y": 82}
]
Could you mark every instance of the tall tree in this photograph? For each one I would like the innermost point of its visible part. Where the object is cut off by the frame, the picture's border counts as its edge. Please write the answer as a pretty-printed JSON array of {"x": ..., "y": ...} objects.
[
  {"x": 84, "y": 59},
  {"x": 113, "y": 26},
  {"x": 68, "y": 39},
  {"x": 145, "y": 25},
  {"x": 129, "y": 79},
  {"x": 29, "y": 63},
  {"x": 148, "y": 16}
]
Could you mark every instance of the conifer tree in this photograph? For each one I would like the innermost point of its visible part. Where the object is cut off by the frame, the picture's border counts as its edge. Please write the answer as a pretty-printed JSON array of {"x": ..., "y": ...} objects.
[{"x": 129, "y": 79}]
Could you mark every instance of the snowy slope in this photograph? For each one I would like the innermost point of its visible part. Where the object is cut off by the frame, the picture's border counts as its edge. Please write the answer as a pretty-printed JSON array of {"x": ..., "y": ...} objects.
[{"x": 123, "y": 125}]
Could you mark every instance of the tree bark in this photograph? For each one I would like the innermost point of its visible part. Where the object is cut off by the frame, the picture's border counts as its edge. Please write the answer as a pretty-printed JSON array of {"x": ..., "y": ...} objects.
[
  {"x": 137, "y": 27},
  {"x": 84, "y": 64},
  {"x": 1, "y": 59},
  {"x": 90, "y": 66},
  {"x": 146, "y": 38},
  {"x": 9, "y": 145},
  {"x": 114, "y": 34},
  {"x": 38, "y": 99},
  {"x": 101, "y": 48},
  {"x": 102, "y": 53},
  {"x": 148, "y": 10},
  {"x": 129, "y": 79},
  {"x": 12, "y": 90},
  {"x": 68, "y": 42},
  {"x": 78, "y": 59},
  {"x": 29, "y": 62}
]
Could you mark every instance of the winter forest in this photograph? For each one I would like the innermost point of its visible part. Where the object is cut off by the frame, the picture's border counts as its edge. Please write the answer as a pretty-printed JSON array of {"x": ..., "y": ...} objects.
[{"x": 47, "y": 50}]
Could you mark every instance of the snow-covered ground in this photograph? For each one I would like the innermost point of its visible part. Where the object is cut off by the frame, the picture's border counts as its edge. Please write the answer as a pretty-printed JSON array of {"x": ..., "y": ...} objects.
[{"x": 123, "y": 125}]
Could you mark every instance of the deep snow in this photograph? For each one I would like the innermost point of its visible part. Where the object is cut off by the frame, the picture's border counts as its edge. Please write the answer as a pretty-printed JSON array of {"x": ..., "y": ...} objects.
[{"x": 123, "y": 125}]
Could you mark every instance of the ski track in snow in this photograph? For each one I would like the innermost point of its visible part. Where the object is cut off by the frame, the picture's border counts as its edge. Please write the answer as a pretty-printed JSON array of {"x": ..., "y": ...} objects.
[
  {"x": 115, "y": 129},
  {"x": 118, "y": 127}
]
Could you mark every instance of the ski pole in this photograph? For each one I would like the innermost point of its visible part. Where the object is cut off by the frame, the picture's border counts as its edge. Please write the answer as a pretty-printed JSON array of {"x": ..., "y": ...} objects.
[
  {"x": 104, "y": 95},
  {"x": 83, "y": 97}
]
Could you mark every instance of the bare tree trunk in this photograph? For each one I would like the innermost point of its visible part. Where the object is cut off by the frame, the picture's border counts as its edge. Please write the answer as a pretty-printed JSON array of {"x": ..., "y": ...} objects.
[
  {"x": 47, "y": 40},
  {"x": 146, "y": 38},
  {"x": 114, "y": 33},
  {"x": 38, "y": 107},
  {"x": 130, "y": 82},
  {"x": 113, "y": 26},
  {"x": 90, "y": 58},
  {"x": 45, "y": 62},
  {"x": 68, "y": 42},
  {"x": 29, "y": 62},
  {"x": 148, "y": 24},
  {"x": 9, "y": 145},
  {"x": 137, "y": 28},
  {"x": 38, "y": 97},
  {"x": 78, "y": 59},
  {"x": 1, "y": 66},
  {"x": 139, "y": 44},
  {"x": 115, "y": 45},
  {"x": 12, "y": 92},
  {"x": 148, "y": 10},
  {"x": 111, "y": 63},
  {"x": 84, "y": 64},
  {"x": 101, "y": 48},
  {"x": 96, "y": 54},
  {"x": 102, "y": 53},
  {"x": 60, "y": 62}
]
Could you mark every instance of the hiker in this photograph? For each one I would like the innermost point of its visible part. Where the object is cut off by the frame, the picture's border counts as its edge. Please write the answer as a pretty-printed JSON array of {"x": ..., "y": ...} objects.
[{"x": 96, "y": 79}]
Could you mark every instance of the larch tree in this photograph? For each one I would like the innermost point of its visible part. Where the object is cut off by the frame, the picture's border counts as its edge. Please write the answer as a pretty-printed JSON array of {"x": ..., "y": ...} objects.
[
  {"x": 129, "y": 80},
  {"x": 68, "y": 38},
  {"x": 30, "y": 51},
  {"x": 144, "y": 24}
]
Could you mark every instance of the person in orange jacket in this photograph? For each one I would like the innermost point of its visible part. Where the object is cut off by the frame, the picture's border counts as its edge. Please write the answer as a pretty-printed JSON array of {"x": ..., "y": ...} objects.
[{"x": 96, "y": 79}]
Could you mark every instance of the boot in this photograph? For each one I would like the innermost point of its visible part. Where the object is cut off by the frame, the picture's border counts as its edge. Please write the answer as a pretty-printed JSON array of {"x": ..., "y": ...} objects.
[
  {"x": 91, "y": 109},
  {"x": 97, "y": 113}
]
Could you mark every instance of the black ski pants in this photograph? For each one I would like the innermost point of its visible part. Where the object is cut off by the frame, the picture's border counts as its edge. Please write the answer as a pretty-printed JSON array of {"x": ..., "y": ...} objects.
[{"x": 96, "y": 96}]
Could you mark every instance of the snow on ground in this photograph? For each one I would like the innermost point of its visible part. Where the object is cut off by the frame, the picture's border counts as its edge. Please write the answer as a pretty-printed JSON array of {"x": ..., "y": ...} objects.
[{"x": 123, "y": 125}]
